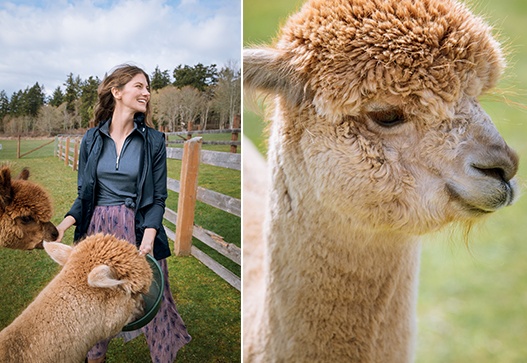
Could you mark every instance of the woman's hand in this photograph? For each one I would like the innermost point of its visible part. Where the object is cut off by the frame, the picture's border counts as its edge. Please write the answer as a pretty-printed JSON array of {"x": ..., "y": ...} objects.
[
  {"x": 147, "y": 244},
  {"x": 63, "y": 226}
]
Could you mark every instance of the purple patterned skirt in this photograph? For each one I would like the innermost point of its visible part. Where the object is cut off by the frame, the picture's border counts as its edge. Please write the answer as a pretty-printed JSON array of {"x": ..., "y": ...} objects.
[{"x": 166, "y": 333}]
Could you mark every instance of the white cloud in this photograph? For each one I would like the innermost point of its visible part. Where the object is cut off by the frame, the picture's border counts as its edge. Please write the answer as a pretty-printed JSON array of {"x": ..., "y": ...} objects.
[{"x": 46, "y": 41}]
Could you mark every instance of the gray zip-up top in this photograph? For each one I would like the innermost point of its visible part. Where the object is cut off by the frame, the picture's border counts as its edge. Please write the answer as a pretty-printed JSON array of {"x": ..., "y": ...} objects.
[{"x": 117, "y": 174}]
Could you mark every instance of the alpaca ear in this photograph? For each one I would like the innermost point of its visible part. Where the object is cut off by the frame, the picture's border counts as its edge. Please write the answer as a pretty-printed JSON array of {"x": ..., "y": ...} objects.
[
  {"x": 24, "y": 174},
  {"x": 270, "y": 71},
  {"x": 6, "y": 192},
  {"x": 59, "y": 252},
  {"x": 103, "y": 276}
]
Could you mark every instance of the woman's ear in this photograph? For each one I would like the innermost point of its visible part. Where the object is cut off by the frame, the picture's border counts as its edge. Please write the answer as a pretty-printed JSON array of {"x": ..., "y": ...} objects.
[{"x": 116, "y": 93}]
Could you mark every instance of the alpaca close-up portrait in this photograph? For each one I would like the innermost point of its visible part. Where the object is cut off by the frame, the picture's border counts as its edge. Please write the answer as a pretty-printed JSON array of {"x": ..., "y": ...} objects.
[{"x": 378, "y": 135}]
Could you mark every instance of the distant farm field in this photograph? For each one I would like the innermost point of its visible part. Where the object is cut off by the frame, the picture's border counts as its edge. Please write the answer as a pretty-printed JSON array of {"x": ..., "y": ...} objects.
[{"x": 209, "y": 306}]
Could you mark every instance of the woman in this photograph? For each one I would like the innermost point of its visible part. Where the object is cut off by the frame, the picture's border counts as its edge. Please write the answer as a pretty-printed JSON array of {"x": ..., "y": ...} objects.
[{"x": 122, "y": 190}]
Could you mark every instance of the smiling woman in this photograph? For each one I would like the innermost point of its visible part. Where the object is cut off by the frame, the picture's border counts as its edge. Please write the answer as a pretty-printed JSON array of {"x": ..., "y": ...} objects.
[{"x": 122, "y": 191}]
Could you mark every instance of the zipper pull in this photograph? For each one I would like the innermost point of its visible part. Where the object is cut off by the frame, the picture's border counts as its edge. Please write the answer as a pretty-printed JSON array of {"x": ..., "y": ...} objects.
[{"x": 117, "y": 162}]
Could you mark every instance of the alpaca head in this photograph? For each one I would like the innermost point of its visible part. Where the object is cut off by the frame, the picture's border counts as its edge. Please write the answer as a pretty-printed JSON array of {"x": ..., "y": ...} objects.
[
  {"x": 377, "y": 108},
  {"x": 107, "y": 271},
  {"x": 25, "y": 212}
]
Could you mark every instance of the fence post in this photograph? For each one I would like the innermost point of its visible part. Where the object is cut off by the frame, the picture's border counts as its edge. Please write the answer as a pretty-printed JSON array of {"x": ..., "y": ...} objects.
[
  {"x": 59, "y": 147},
  {"x": 76, "y": 154},
  {"x": 190, "y": 126},
  {"x": 18, "y": 148},
  {"x": 234, "y": 135},
  {"x": 187, "y": 196},
  {"x": 67, "y": 152}
]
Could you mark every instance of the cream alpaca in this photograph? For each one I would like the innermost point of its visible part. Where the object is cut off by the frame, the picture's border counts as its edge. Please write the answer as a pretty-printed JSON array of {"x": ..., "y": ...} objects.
[
  {"x": 25, "y": 212},
  {"x": 95, "y": 294},
  {"x": 377, "y": 137}
]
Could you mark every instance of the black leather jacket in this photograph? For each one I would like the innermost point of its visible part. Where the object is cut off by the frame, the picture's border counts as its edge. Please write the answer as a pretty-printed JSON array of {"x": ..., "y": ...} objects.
[{"x": 151, "y": 186}]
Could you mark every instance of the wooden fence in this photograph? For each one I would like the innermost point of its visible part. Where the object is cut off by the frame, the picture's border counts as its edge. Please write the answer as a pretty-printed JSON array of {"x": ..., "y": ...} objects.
[
  {"x": 187, "y": 135},
  {"x": 67, "y": 149},
  {"x": 19, "y": 141},
  {"x": 189, "y": 191}
]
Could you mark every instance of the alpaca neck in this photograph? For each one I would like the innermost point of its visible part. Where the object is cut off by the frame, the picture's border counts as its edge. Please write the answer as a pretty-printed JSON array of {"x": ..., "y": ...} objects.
[{"x": 334, "y": 292}]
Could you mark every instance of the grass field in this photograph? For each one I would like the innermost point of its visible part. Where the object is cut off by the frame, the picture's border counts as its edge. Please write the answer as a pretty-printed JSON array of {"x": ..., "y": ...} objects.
[
  {"x": 209, "y": 306},
  {"x": 472, "y": 303}
]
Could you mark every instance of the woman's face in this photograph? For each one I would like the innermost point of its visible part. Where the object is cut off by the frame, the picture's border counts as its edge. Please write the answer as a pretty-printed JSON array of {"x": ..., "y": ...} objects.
[{"x": 135, "y": 94}]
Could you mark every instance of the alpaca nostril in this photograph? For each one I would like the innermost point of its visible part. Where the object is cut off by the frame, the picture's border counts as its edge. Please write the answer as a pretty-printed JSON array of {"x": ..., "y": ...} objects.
[
  {"x": 496, "y": 173},
  {"x": 498, "y": 163}
]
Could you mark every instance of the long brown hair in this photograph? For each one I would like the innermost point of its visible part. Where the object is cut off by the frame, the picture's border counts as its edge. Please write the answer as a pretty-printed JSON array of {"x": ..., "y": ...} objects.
[{"x": 121, "y": 75}]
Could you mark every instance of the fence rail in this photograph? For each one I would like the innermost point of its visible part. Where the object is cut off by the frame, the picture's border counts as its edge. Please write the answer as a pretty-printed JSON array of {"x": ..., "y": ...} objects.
[
  {"x": 187, "y": 135},
  {"x": 200, "y": 132},
  {"x": 216, "y": 158},
  {"x": 191, "y": 155}
]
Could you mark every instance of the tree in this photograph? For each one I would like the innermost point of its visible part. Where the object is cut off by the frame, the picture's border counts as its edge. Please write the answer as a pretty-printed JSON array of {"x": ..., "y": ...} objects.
[
  {"x": 4, "y": 108},
  {"x": 49, "y": 120},
  {"x": 69, "y": 120},
  {"x": 189, "y": 106},
  {"x": 199, "y": 76},
  {"x": 15, "y": 104},
  {"x": 72, "y": 93},
  {"x": 227, "y": 95},
  {"x": 34, "y": 98},
  {"x": 88, "y": 99},
  {"x": 165, "y": 103},
  {"x": 159, "y": 79},
  {"x": 57, "y": 97},
  {"x": 206, "y": 104}
]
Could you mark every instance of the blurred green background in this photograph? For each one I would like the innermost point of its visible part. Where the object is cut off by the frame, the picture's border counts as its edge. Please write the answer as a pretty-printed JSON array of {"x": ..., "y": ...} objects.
[{"x": 472, "y": 303}]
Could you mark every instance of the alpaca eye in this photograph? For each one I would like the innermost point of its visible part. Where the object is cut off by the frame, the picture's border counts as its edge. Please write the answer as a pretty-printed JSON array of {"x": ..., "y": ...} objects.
[
  {"x": 26, "y": 219},
  {"x": 387, "y": 118}
]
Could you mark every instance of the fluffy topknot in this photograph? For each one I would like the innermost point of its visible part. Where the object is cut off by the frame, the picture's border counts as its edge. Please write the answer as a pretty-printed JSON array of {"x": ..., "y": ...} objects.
[{"x": 429, "y": 52}]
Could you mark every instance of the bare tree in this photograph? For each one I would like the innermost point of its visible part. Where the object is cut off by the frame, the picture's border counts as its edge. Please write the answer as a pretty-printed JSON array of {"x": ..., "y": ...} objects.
[
  {"x": 227, "y": 100},
  {"x": 166, "y": 107},
  {"x": 49, "y": 120},
  {"x": 189, "y": 107}
]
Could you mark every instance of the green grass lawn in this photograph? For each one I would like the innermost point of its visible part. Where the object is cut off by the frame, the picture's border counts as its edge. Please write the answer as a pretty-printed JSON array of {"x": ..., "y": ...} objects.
[
  {"x": 209, "y": 306},
  {"x": 472, "y": 303}
]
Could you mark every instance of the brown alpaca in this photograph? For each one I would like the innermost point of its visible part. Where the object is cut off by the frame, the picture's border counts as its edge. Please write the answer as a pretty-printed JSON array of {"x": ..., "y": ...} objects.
[
  {"x": 25, "y": 212},
  {"x": 377, "y": 137},
  {"x": 96, "y": 293}
]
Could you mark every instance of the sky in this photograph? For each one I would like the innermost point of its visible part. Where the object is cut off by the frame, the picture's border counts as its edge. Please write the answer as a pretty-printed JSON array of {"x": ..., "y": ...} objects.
[{"x": 45, "y": 40}]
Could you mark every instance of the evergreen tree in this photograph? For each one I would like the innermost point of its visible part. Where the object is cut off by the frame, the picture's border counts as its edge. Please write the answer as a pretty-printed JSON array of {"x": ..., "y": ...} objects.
[
  {"x": 15, "y": 104},
  {"x": 4, "y": 108},
  {"x": 199, "y": 76},
  {"x": 88, "y": 99},
  {"x": 57, "y": 97},
  {"x": 159, "y": 79},
  {"x": 72, "y": 93},
  {"x": 34, "y": 98},
  {"x": 4, "y": 104}
]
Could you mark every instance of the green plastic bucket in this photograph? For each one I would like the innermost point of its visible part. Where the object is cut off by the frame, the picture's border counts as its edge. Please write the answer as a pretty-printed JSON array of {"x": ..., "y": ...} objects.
[{"x": 152, "y": 299}]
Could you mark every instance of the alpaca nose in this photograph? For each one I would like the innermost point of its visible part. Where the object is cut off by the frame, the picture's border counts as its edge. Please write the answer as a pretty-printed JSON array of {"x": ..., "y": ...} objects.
[{"x": 500, "y": 163}]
